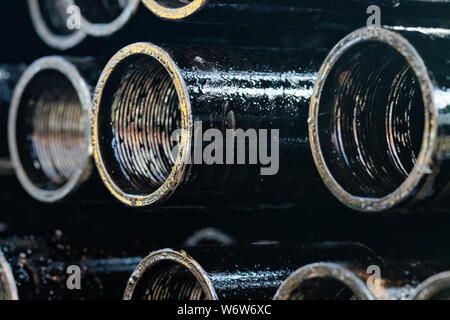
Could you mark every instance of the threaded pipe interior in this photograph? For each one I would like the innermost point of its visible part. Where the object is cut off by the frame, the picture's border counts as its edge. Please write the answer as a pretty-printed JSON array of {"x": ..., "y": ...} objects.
[
  {"x": 50, "y": 130},
  {"x": 322, "y": 288},
  {"x": 371, "y": 120},
  {"x": 140, "y": 113},
  {"x": 168, "y": 280}
]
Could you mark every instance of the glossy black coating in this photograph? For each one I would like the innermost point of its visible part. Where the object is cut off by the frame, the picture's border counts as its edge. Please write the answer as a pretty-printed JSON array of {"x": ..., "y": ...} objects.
[
  {"x": 399, "y": 160},
  {"x": 255, "y": 272},
  {"x": 434, "y": 49},
  {"x": 322, "y": 14},
  {"x": 40, "y": 267},
  {"x": 234, "y": 88},
  {"x": 9, "y": 75}
]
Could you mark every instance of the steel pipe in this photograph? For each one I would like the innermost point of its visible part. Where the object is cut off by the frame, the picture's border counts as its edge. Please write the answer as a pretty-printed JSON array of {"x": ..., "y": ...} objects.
[
  {"x": 209, "y": 237},
  {"x": 146, "y": 94},
  {"x": 436, "y": 287},
  {"x": 39, "y": 269},
  {"x": 50, "y": 19},
  {"x": 311, "y": 14},
  {"x": 49, "y": 126},
  {"x": 254, "y": 272},
  {"x": 352, "y": 281},
  {"x": 9, "y": 75},
  {"x": 379, "y": 120},
  {"x": 104, "y": 18}
]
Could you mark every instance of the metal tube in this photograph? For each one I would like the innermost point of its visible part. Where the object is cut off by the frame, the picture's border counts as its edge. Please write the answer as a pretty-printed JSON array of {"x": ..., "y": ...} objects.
[
  {"x": 253, "y": 272},
  {"x": 209, "y": 237},
  {"x": 351, "y": 281},
  {"x": 146, "y": 94},
  {"x": 50, "y": 18},
  {"x": 38, "y": 269},
  {"x": 49, "y": 126},
  {"x": 379, "y": 120},
  {"x": 436, "y": 287},
  {"x": 9, "y": 75},
  {"x": 104, "y": 18},
  {"x": 313, "y": 14}
]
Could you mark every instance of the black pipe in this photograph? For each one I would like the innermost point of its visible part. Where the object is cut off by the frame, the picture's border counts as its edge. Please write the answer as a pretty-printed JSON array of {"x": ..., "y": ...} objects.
[
  {"x": 104, "y": 18},
  {"x": 41, "y": 268},
  {"x": 379, "y": 121},
  {"x": 209, "y": 237},
  {"x": 247, "y": 272},
  {"x": 9, "y": 75},
  {"x": 193, "y": 89},
  {"x": 437, "y": 287},
  {"x": 49, "y": 126},
  {"x": 316, "y": 15},
  {"x": 50, "y": 21},
  {"x": 343, "y": 280}
]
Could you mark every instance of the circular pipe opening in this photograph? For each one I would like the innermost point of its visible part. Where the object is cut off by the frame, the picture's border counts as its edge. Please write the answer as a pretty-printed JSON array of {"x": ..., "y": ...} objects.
[
  {"x": 104, "y": 17},
  {"x": 209, "y": 237},
  {"x": 8, "y": 288},
  {"x": 142, "y": 125},
  {"x": 370, "y": 120},
  {"x": 436, "y": 287},
  {"x": 174, "y": 9},
  {"x": 49, "y": 134},
  {"x": 50, "y": 18},
  {"x": 169, "y": 275},
  {"x": 323, "y": 281}
]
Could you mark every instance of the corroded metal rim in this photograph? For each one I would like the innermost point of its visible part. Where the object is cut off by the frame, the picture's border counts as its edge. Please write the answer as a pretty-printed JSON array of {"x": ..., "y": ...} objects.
[
  {"x": 179, "y": 257},
  {"x": 165, "y": 12},
  {"x": 107, "y": 29},
  {"x": 70, "y": 71},
  {"x": 60, "y": 42},
  {"x": 179, "y": 170},
  {"x": 430, "y": 136},
  {"x": 432, "y": 286},
  {"x": 7, "y": 282},
  {"x": 321, "y": 270}
]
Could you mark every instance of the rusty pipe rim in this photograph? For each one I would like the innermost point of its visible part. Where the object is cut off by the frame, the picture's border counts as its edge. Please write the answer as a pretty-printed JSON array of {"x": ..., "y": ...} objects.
[
  {"x": 8, "y": 288},
  {"x": 174, "y": 258},
  {"x": 42, "y": 189},
  {"x": 429, "y": 141},
  {"x": 107, "y": 29},
  {"x": 54, "y": 40},
  {"x": 433, "y": 286},
  {"x": 179, "y": 168},
  {"x": 319, "y": 271},
  {"x": 177, "y": 11}
]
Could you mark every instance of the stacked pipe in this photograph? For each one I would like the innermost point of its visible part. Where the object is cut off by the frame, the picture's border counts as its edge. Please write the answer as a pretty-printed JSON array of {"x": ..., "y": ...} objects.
[
  {"x": 9, "y": 75},
  {"x": 49, "y": 127},
  {"x": 63, "y": 26},
  {"x": 323, "y": 271},
  {"x": 195, "y": 90},
  {"x": 373, "y": 111},
  {"x": 379, "y": 126},
  {"x": 40, "y": 268}
]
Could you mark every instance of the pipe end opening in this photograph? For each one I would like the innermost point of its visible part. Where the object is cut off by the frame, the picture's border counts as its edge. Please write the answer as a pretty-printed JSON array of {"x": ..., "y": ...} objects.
[
  {"x": 436, "y": 287},
  {"x": 323, "y": 281},
  {"x": 169, "y": 275},
  {"x": 104, "y": 18},
  {"x": 8, "y": 288},
  {"x": 370, "y": 125},
  {"x": 174, "y": 9},
  {"x": 141, "y": 125},
  {"x": 49, "y": 132},
  {"x": 50, "y": 20}
]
